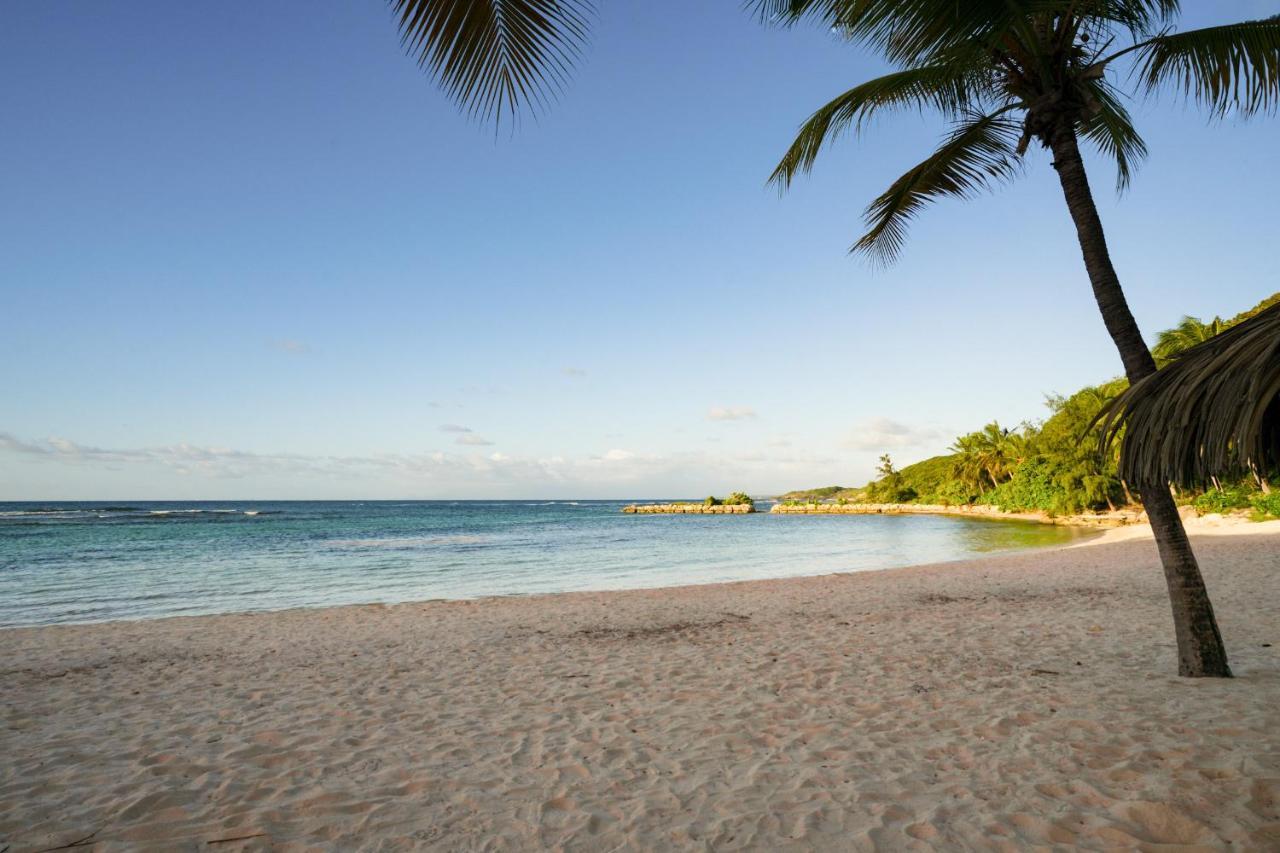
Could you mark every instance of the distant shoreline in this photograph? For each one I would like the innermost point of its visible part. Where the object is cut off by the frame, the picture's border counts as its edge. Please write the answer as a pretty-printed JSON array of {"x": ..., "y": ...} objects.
[{"x": 1119, "y": 518}]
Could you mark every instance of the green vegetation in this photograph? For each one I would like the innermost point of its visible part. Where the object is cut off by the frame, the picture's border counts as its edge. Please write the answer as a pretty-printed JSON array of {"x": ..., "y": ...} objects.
[
  {"x": 811, "y": 495},
  {"x": 1224, "y": 499},
  {"x": 890, "y": 488},
  {"x": 1053, "y": 466},
  {"x": 1182, "y": 337},
  {"x": 1265, "y": 506},
  {"x": 735, "y": 499},
  {"x": 1241, "y": 495}
]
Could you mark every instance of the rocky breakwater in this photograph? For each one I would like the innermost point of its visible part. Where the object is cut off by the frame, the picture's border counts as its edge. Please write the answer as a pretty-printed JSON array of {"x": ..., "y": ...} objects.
[
  {"x": 688, "y": 509},
  {"x": 1101, "y": 519}
]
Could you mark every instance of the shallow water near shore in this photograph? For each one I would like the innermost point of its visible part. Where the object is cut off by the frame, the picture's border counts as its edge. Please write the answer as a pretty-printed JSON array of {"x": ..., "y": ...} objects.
[{"x": 92, "y": 562}]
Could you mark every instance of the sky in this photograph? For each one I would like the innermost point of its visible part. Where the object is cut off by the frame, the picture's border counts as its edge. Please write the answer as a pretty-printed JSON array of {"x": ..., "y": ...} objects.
[{"x": 248, "y": 250}]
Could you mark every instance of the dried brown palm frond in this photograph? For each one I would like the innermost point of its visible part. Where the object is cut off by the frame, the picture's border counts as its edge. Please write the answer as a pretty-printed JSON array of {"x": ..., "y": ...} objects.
[{"x": 1213, "y": 412}]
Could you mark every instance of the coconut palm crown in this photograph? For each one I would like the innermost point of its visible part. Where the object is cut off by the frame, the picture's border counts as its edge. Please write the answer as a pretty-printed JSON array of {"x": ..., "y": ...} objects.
[{"x": 1009, "y": 72}]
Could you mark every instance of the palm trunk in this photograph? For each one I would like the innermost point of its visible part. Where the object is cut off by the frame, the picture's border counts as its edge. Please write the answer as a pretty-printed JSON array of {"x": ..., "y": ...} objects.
[{"x": 1200, "y": 649}]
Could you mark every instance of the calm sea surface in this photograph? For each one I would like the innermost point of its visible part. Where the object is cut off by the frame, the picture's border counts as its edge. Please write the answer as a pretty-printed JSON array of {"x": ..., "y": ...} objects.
[{"x": 89, "y": 562}]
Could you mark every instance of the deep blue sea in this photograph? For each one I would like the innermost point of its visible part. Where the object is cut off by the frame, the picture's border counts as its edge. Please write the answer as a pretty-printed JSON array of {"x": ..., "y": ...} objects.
[{"x": 89, "y": 562}]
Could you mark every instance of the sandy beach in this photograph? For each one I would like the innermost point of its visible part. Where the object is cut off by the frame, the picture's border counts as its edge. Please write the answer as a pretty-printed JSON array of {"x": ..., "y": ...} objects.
[{"x": 1014, "y": 702}]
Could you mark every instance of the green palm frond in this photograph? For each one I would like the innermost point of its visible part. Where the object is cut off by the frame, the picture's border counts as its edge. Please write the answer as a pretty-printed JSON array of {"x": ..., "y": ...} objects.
[
  {"x": 905, "y": 31},
  {"x": 1111, "y": 131},
  {"x": 1191, "y": 331},
  {"x": 1137, "y": 16},
  {"x": 1213, "y": 411},
  {"x": 495, "y": 57},
  {"x": 945, "y": 88},
  {"x": 1230, "y": 68},
  {"x": 976, "y": 155},
  {"x": 912, "y": 31}
]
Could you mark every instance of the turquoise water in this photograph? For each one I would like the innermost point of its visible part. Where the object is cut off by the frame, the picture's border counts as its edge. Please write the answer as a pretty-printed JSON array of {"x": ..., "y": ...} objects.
[{"x": 89, "y": 562}]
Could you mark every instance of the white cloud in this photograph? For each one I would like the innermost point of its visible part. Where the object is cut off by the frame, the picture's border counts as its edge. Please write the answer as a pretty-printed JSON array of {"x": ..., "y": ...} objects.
[
  {"x": 291, "y": 346},
  {"x": 882, "y": 434},
  {"x": 454, "y": 428},
  {"x": 617, "y": 472},
  {"x": 576, "y": 372},
  {"x": 473, "y": 440},
  {"x": 731, "y": 413}
]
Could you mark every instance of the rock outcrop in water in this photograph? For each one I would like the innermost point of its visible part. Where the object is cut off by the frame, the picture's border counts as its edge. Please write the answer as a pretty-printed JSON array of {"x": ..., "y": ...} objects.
[{"x": 688, "y": 509}]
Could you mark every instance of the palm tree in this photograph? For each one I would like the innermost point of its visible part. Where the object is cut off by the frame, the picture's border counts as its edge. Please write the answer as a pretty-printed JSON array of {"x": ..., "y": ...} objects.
[
  {"x": 1191, "y": 331},
  {"x": 993, "y": 452},
  {"x": 967, "y": 465},
  {"x": 999, "y": 452},
  {"x": 1007, "y": 73}
]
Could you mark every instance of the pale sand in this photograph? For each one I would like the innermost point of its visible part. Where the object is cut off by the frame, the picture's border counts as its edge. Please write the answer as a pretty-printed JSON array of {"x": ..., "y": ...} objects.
[{"x": 1006, "y": 703}]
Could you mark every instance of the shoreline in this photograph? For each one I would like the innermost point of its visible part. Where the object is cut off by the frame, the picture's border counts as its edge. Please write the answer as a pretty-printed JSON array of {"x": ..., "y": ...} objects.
[
  {"x": 1022, "y": 699},
  {"x": 1205, "y": 526},
  {"x": 1117, "y": 518}
]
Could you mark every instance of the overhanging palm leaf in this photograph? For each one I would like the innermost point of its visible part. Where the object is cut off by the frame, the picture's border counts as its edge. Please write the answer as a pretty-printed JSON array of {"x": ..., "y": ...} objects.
[
  {"x": 945, "y": 88},
  {"x": 1234, "y": 67},
  {"x": 495, "y": 57},
  {"x": 977, "y": 154},
  {"x": 1214, "y": 411}
]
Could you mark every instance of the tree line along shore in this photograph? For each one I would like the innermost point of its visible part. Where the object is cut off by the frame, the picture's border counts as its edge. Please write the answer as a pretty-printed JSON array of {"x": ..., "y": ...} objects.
[{"x": 1057, "y": 467}]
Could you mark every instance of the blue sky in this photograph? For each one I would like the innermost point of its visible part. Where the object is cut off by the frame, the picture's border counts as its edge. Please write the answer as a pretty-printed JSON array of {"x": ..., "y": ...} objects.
[{"x": 249, "y": 251}]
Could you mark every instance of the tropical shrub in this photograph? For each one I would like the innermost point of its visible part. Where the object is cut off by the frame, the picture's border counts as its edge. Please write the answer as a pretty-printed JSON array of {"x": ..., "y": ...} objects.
[
  {"x": 951, "y": 493},
  {"x": 1224, "y": 499},
  {"x": 1266, "y": 506}
]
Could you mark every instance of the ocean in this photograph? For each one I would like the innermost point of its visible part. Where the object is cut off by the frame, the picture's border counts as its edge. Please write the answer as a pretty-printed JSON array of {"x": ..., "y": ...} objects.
[{"x": 92, "y": 562}]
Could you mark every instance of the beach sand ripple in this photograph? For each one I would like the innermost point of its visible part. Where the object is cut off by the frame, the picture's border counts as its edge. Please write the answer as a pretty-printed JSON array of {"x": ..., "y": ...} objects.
[{"x": 1014, "y": 702}]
